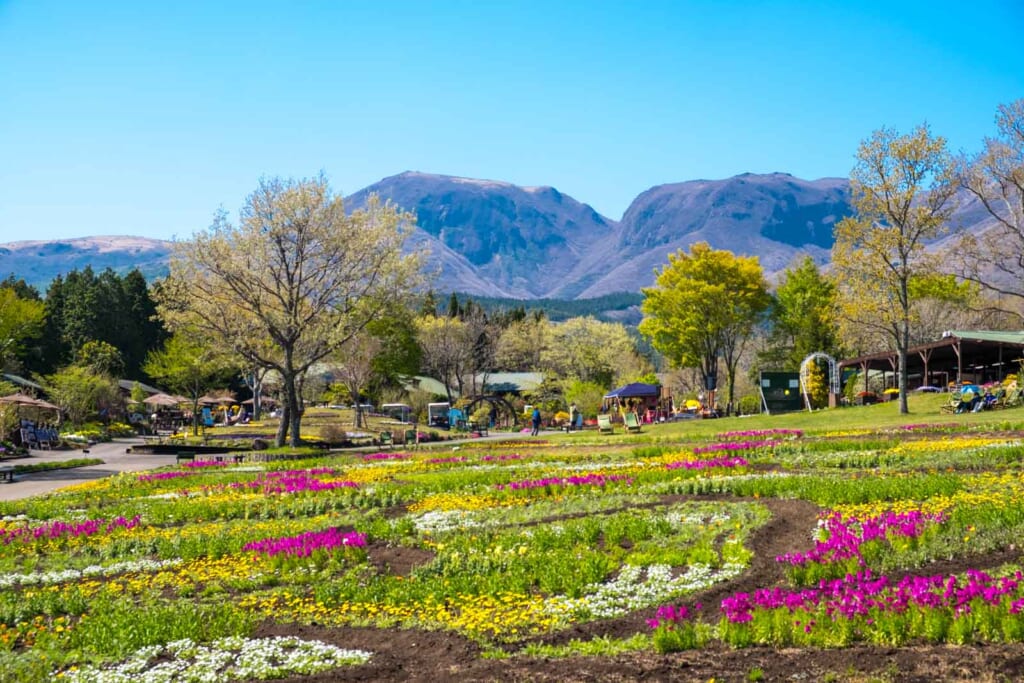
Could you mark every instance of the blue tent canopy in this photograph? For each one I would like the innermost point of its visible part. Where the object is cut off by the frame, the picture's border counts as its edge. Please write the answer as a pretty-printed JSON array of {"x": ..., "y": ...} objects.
[{"x": 636, "y": 390}]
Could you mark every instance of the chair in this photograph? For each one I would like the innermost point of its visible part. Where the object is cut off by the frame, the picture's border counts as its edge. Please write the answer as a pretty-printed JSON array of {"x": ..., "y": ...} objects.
[
  {"x": 954, "y": 403},
  {"x": 632, "y": 423},
  {"x": 1010, "y": 399},
  {"x": 387, "y": 440},
  {"x": 604, "y": 424},
  {"x": 28, "y": 437}
]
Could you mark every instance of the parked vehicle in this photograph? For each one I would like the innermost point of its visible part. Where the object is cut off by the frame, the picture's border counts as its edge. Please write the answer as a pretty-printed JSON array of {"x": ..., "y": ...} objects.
[
  {"x": 397, "y": 411},
  {"x": 437, "y": 415}
]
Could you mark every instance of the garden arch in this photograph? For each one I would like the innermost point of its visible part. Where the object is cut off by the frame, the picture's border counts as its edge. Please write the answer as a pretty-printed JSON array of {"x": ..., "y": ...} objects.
[
  {"x": 498, "y": 403},
  {"x": 833, "y": 376}
]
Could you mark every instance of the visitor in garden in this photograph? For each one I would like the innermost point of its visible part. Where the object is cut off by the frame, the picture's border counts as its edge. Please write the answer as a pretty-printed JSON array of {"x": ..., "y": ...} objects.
[
  {"x": 572, "y": 416},
  {"x": 970, "y": 396},
  {"x": 536, "y": 421}
]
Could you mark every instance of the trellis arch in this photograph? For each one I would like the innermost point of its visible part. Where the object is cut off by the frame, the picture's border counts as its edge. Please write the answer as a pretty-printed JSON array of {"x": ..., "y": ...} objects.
[
  {"x": 500, "y": 403},
  {"x": 833, "y": 375}
]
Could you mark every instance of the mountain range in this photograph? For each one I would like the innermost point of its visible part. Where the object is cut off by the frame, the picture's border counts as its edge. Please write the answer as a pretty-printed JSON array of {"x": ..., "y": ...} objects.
[{"x": 493, "y": 238}]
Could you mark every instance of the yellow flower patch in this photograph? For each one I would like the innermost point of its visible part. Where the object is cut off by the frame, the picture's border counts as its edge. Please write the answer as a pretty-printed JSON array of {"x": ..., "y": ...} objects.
[
  {"x": 447, "y": 502},
  {"x": 949, "y": 444},
  {"x": 508, "y": 615},
  {"x": 992, "y": 490}
]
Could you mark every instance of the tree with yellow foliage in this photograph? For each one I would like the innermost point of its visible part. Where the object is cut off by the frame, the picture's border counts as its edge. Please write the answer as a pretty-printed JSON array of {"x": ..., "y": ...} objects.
[{"x": 903, "y": 193}]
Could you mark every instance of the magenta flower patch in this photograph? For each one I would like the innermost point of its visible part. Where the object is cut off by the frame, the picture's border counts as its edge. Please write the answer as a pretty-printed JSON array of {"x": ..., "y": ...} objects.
[
  {"x": 305, "y": 544},
  {"x": 585, "y": 480},
  {"x": 724, "y": 461}
]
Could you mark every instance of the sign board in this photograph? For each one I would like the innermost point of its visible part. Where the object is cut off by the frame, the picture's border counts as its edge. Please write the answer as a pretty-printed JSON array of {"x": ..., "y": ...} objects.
[{"x": 780, "y": 391}]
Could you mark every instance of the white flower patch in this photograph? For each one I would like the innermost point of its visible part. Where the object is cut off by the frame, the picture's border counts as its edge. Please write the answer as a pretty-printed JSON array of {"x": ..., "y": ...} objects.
[
  {"x": 440, "y": 521},
  {"x": 638, "y": 587},
  {"x": 64, "y": 576},
  {"x": 14, "y": 518},
  {"x": 226, "y": 659},
  {"x": 680, "y": 518}
]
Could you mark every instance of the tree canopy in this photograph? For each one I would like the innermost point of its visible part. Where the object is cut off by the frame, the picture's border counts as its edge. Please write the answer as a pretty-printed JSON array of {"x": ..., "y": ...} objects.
[
  {"x": 995, "y": 177},
  {"x": 21, "y": 319},
  {"x": 903, "y": 194},
  {"x": 803, "y": 319},
  {"x": 190, "y": 366},
  {"x": 703, "y": 307},
  {"x": 297, "y": 272}
]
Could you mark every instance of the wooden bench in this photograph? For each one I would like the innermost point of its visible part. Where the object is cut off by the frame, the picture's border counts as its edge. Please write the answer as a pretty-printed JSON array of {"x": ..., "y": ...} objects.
[
  {"x": 186, "y": 455},
  {"x": 7, "y": 473}
]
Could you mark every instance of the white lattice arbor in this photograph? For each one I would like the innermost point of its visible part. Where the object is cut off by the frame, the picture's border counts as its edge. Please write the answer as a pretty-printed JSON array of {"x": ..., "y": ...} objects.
[{"x": 833, "y": 375}]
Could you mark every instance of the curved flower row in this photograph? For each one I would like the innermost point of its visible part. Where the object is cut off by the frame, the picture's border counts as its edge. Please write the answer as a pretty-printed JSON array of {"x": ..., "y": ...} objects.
[
  {"x": 734, "y": 446},
  {"x": 724, "y": 461},
  {"x": 58, "y": 529},
  {"x": 303, "y": 545},
  {"x": 293, "y": 481},
  {"x": 758, "y": 433},
  {"x": 585, "y": 480},
  {"x": 863, "y": 595},
  {"x": 845, "y": 536}
]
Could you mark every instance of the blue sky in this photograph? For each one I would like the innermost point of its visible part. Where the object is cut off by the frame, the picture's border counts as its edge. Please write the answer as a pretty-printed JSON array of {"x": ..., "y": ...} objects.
[{"x": 142, "y": 118}]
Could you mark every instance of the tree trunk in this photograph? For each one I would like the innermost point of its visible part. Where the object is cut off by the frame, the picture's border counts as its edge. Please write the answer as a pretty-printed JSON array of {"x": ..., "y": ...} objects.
[
  {"x": 904, "y": 345},
  {"x": 294, "y": 416},
  {"x": 282, "y": 426}
]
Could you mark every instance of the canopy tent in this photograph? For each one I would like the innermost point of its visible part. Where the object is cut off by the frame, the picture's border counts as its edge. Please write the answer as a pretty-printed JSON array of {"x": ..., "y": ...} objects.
[{"x": 636, "y": 390}]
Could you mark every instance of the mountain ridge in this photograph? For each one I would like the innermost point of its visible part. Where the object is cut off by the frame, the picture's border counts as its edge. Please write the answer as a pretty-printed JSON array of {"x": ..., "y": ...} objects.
[{"x": 497, "y": 239}]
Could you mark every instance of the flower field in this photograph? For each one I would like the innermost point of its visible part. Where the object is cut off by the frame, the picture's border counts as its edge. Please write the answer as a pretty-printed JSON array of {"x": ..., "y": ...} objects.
[{"x": 736, "y": 554}]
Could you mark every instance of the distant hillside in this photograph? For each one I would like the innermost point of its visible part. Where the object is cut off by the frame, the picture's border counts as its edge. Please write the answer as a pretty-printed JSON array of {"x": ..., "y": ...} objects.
[
  {"x": 489, "y": 238},
  {"x": 776, "y": 217},
  {"x": 527, "y": 242},
  {"x": 38, "y": 262},
  {"x": 621, "y": 307}
]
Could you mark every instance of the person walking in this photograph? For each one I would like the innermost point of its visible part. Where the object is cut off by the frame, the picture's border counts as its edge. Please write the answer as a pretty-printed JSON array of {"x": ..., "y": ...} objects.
[
  {"x": 536, "y": 421},
  {"x": 572, "y": 416}
]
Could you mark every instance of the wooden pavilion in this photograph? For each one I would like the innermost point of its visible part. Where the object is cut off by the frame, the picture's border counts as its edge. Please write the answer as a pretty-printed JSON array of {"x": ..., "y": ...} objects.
[{"x": 977, "y": 356}]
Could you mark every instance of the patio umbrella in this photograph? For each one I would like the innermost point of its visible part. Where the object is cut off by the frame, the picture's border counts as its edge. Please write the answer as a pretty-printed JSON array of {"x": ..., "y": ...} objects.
[
  {"x": 46, "y": 405},
  {"x": 161, "y": 400},
  {"x": 26, "y": 400},
  {"x": 265, "y": 400},
  {"x": 19, "y": 399}
]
